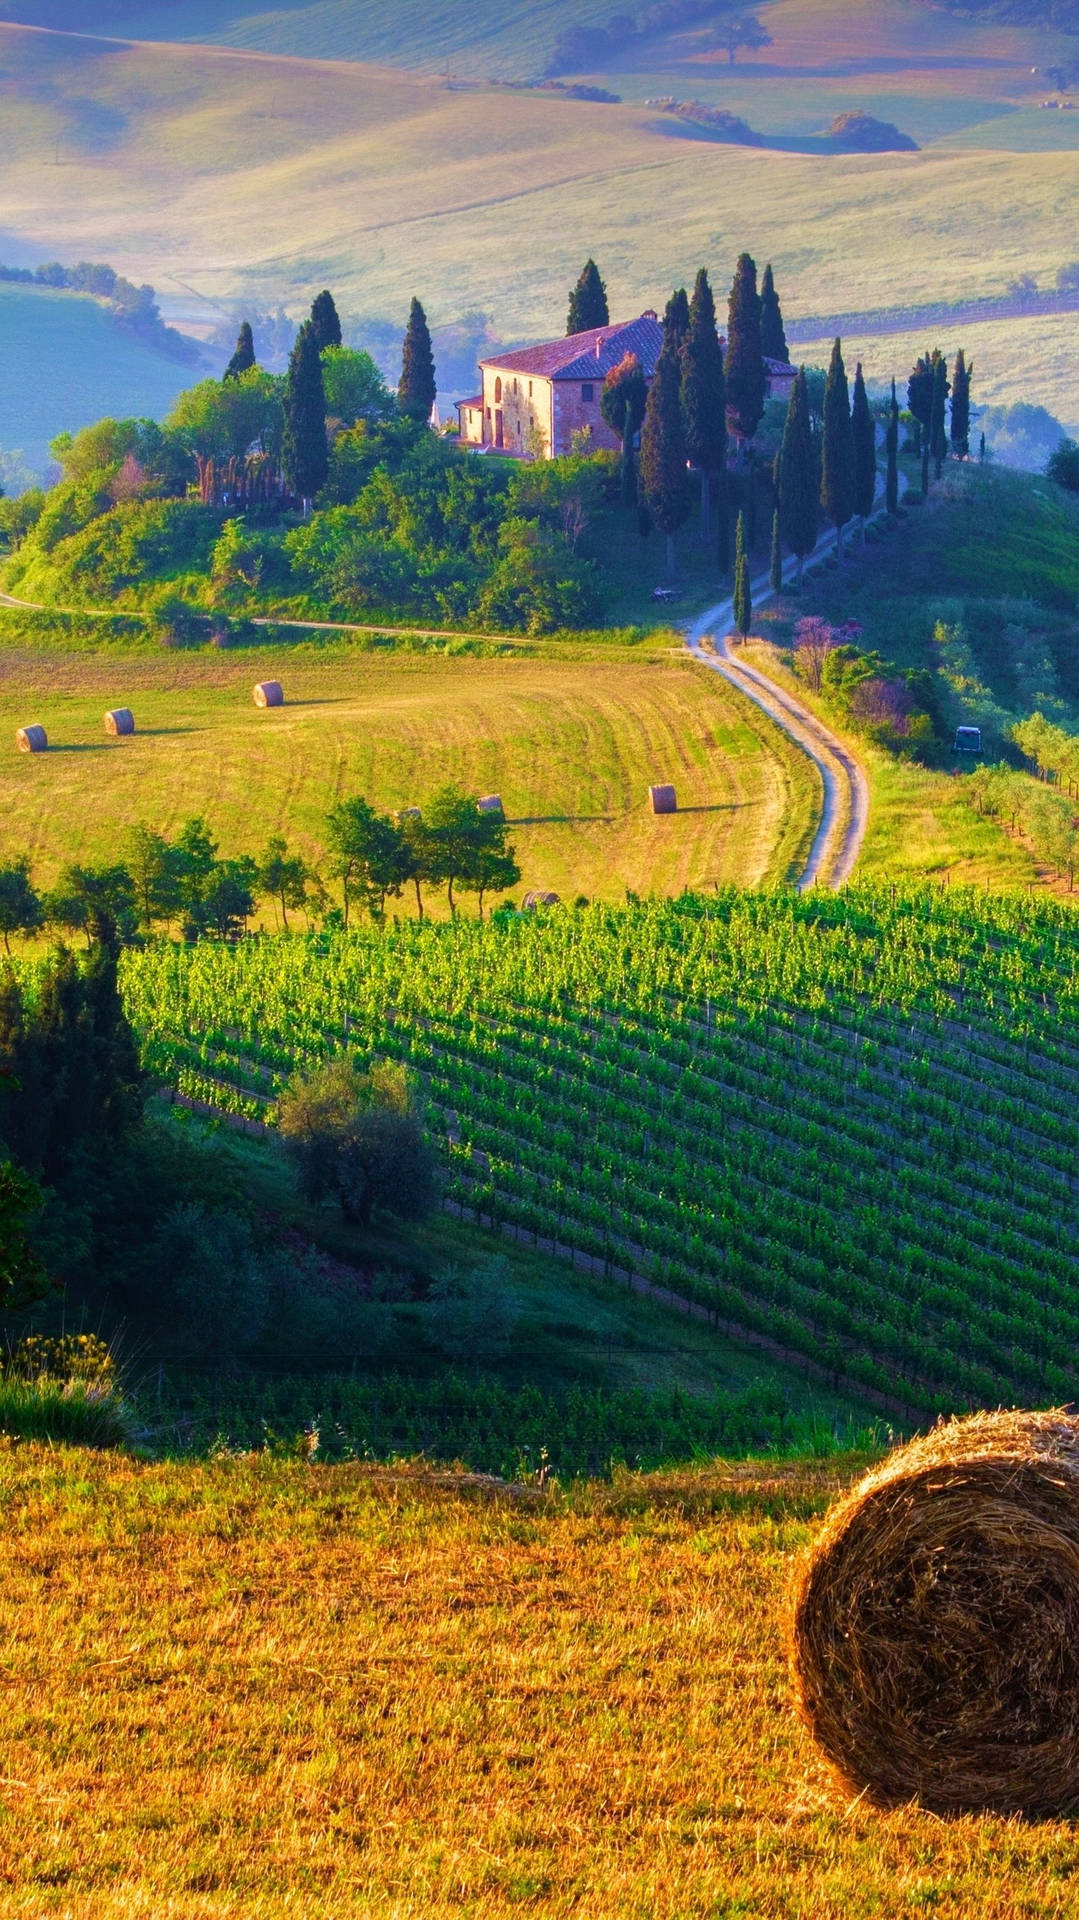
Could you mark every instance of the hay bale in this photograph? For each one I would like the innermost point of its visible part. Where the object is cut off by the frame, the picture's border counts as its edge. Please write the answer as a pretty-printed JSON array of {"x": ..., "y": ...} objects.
[
  {"x": 119, "y": 721},
  {"x": 269, "y": 693},
  {"x": 533, "y": 900},
  {"x": 663, "y": 799},
  {"x": 32, "y": 740},
  {"x": 935, "y": 1633},
  {"x": 491, "y": 803}
]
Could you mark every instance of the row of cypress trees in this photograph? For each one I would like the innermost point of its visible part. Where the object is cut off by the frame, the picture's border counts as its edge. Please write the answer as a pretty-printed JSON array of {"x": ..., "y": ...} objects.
[{"x": 304, "y": 450}]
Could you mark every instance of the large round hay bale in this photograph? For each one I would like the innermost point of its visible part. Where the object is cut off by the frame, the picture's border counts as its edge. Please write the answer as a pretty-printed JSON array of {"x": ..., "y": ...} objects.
[
  {"x": 935, "y": 1634},
  {"x": 269, "y": 693},
  {"x": 119, "y": 721},
  {"x": 490, "y": 803},
  {"x": 663, "y": 799},
  {"x": 538, "y": 899},
  {"x": 31, "y": 740}
]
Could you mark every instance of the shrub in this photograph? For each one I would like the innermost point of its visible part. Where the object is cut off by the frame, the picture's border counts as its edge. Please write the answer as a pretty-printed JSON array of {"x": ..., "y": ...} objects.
[{"x": 357, "y": 1138}]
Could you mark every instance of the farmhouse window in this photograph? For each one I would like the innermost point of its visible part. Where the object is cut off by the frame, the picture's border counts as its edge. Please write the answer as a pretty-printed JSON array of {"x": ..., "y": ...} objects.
[
  {"x": 530, "y": 389},
  {"x": 586, "y": 390},
  {"x": 498, "y": 389}
]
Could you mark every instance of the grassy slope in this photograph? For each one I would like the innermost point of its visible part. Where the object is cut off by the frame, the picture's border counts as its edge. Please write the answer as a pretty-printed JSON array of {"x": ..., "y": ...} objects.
[
  {"x": 350, "y": 1690},
  {"x": 227, "y": 173},
  {"x": 66, "y": 363},
  {"x": 570, "y": 743}
]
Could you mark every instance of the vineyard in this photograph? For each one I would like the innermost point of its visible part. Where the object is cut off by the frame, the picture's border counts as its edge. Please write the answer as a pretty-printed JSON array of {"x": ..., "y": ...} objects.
[{"x": 847, "y": 1126}]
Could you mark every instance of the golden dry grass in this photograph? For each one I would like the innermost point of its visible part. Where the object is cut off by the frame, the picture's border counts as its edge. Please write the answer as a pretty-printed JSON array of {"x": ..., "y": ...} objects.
[
  {"x": 571, "y": 744},
  {"x": 262, "y": 1688}
]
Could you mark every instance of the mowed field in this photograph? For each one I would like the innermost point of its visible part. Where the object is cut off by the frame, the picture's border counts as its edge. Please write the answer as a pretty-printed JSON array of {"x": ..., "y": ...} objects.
[
  {"x": 66, "y": 363},
  {"x": 257, "y": 1687},
  {"x": 227, "y": 176},
  {"x": 571, "y": 746}
]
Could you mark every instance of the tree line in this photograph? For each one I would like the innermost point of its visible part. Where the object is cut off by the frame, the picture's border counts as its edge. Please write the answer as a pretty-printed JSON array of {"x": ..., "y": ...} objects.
[{"x": 185, "y": 883}]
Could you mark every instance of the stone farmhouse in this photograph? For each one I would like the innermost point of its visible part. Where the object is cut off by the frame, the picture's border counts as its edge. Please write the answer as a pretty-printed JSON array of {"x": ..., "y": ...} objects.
[{"x": 535, "y": 399}]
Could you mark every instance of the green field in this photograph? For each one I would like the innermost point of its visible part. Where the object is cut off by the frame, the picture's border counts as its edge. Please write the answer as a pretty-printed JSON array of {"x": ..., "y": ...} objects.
[
  {"x": 227, "y": 177},
  {"x": 570, "y": 743},
  {"x": 66, "y": 363},
  {"x": 847, "y": 1123}
]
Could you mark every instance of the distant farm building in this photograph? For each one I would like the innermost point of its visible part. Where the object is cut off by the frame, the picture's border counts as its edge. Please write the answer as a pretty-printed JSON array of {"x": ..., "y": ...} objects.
[{"x": 533, "y": 401}]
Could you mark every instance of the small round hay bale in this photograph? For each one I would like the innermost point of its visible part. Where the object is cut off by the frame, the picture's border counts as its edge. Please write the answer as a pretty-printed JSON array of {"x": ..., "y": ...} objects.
[
  {"x": 490, "y": 803},
  {"x": 935, "y": 1632},
  {"x": 32, "y": 740},
  {"x": 269, "y": 693},
  {"x": 533, "y": 900},
  {"x": 663, "y": 800},
  {"x": 119, "y": 721}
]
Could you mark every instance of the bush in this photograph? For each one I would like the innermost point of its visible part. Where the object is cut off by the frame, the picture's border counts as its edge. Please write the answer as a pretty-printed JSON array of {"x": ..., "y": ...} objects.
[
  {"x": 357, "y": 1138},
  {"x": 1063, "y": 466},
  {"x": 212, "y": 1277}
]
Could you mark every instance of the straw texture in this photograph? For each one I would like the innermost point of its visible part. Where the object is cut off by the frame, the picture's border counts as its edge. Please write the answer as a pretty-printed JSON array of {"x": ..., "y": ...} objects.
[{"x": 935, "y": 1626}]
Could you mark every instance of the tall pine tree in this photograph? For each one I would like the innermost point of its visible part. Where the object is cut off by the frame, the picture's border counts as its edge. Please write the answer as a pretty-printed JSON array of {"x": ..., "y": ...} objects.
[
  {"x": 416, "y": 388},
  {"x": 837, "y": 459},
  {"x": 325, "y": 321},
  {"x": 588, "y": 302},
  {"x": 663, "y": 487},
  {"x": 244, "y": 356},
  {"x": 938, "y": 430},
  {"x": 961, "y": 405},
  {"x": 304, "y": 454},
  {"x": 798, "y": 477},
  {"x": 622, "y": 403},
  {"x": 775, "y": 570},
  {"x": 704, "y": 395},
  {"x": 743, "y": 592},
  {"x": 891, "y": 489},
  {"x": 745, "y": 356},
  {"x": 773, "y": 334},
  {"x": 864, "y": 434},
  {"x": 676, "y": 319}
]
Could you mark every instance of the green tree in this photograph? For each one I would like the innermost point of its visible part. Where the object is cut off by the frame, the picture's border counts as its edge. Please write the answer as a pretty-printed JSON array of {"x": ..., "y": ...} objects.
[
  {"x": 676, "y": 320},
  {"x": 837, "y": 461},
  {"x": 283, "y": 876},
  {"x": 746, "y": 383},
  {"x": 416, "y": 389},
  {"x": 622, "y": 402},
  {"x": 358, "y": 1138},
  {"x": 368, "y": 854},
  {"x": 960, "y": 423},
  {"x": 938, "y": 431},
  {"x": 97, "y": 901},
  {"x": 704, "y": 392},
  {"x": 663, "y": 450},
  {"x": 304, "y": 455},
  {"x": 22, "y": 1277},
  {"x": 588, "y": 302},
  {"x": 1062, "y": 466},
  {"x": 920, "y": 397},
  {"x": 798, "y": 477},
  {"x": 743, "y": 591},
  {"x": 154, "y": 868},
  {"x": 864, "y": 435},
  {"x": 353, "y": 386},
  {"x": 243, "y": 358},
  {"x": 225, "y": 419},
  {"x": 775, "y": 571},
  {"x": 891, "y": 491},
  {"x": 773, "y": 333},
  {"x": 21, "y": 910},
  {"x": 742, "y": 30},
  {"x": 325, "y": 321}
]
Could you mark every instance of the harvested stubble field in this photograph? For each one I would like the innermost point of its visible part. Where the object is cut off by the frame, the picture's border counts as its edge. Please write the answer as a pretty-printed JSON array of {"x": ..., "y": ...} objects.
[
  {"x": 260, "y": 1687},
  {"x": 571, "y": 744}
]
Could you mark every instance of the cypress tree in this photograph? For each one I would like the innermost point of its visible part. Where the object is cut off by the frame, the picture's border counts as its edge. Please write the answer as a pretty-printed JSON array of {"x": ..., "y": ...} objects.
[
  {"x": 743, "y": 595},
  {"x": 325, "y": 321},
  {"x": 244, "y": 356},
  {"x": 797, "y": 477},
  {"x": 588, "y": 301},
  {"x": 704, "y": 396},
  {"x": 416, "y": 389},
  {"x": 663, "y": 451},
  {"x": 920, "y": 397},
  {"x": 773, "y": 333},
  {"x": 304, "y": 457},
  {"x": 891, "y": 493},
  {"x": 745, "y": 356},
  {"x": 864, "y": 434},
  {"x": 837, "y": 461},
  {"x": 775, "y": 572},
  {"x": 938, "y": 432},
  {"x": 622, "y": 402},
  {"x": 961, "y": 405}
]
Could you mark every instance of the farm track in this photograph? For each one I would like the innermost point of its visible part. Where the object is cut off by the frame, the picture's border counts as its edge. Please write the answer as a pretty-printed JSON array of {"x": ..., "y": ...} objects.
[{"x": 845, "y": 812}]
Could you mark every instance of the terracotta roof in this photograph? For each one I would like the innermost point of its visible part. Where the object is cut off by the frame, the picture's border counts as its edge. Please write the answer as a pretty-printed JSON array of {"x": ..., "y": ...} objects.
[
  {"x": 475, "y": 401},
  {"x": 588, "y": 356}
]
